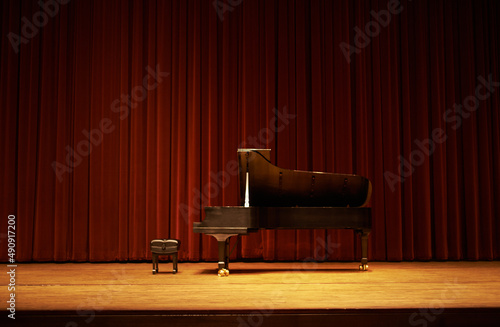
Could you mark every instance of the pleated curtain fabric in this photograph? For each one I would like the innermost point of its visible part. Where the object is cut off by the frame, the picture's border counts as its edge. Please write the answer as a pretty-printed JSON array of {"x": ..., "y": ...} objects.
[{"x": 120, "y": 121}]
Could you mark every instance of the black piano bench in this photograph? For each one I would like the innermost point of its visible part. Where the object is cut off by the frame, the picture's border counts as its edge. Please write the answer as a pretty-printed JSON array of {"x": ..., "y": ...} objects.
[{"x": 164, "y": 247}]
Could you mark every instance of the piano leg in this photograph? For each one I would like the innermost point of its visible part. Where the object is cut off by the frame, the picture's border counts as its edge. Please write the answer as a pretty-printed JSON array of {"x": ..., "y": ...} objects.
[
  {"x": 224, "y": 254},
  {"x": 223, "y": 242},
  {"x": 364, "y": 249}
]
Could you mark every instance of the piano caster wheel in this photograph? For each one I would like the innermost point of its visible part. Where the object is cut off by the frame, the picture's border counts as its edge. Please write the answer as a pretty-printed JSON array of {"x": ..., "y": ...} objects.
[
  {"x": 175, "y": 271},
  {"x": 363, "y": 267},
  {"x": 154, "y": 272},
  {"x": 223, "y": 272}
]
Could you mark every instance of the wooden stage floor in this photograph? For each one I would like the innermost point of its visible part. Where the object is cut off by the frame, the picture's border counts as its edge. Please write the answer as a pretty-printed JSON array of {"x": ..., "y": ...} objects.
[{"x": 257, "y": 294}]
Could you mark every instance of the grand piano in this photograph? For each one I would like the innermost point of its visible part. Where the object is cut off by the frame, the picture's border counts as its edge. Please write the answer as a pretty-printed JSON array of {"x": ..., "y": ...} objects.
[{"x": 276, "y": 198}]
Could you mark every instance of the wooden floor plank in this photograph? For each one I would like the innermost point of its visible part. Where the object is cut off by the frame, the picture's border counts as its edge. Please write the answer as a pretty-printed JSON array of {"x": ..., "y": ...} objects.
[{"x": 255, "y": 286}]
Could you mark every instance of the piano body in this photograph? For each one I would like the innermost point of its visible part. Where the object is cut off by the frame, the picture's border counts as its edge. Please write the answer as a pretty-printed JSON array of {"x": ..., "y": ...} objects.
[{"x": 276, "y": 198}]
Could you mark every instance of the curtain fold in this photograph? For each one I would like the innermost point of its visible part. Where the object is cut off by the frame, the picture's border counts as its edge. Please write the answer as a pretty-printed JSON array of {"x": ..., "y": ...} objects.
[{"x": 120, "y": 122}]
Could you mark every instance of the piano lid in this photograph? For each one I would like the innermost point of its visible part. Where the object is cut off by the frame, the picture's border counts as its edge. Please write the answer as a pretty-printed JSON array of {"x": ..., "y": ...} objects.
[{"x": 271, "y": 186}]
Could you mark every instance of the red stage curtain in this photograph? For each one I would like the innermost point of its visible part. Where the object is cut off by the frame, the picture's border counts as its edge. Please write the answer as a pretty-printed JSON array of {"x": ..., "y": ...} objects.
[{"x": 120, "y": 121}]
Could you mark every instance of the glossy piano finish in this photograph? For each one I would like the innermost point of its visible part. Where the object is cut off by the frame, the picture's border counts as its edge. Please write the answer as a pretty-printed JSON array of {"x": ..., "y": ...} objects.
[
  {"x": 272, "y": 186},
  {"x": 289, "y": 199},
  {"x": 286, "y": 218}
]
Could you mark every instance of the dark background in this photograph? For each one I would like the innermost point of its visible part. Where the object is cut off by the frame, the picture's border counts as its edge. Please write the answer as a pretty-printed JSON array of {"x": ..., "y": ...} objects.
[{"x": 228, "y": 68}]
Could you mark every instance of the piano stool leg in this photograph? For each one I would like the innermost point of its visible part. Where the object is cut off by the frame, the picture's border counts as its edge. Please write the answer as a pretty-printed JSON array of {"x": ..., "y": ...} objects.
[
  {"x": 364, "y": 250},
  {"x": 174, "y": 262},
  {"x": 155, "y": 263}
]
